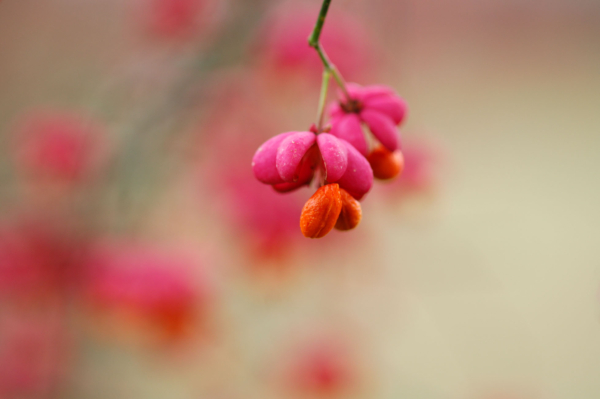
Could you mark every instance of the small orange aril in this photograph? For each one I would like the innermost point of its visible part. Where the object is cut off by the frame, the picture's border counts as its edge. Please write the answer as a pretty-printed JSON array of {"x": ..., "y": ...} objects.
[
  {"x": 321, "y": 211},
  {"x": 351, "y": 213},
  {"x": 386, "y": 164}
]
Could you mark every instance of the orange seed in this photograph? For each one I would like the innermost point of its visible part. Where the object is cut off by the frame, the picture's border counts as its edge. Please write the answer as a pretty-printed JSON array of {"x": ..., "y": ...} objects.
[
  {"x": 321, "y": 211},
  {"x": 386, "y": 164},
  {"x": 351, "y": 213}
]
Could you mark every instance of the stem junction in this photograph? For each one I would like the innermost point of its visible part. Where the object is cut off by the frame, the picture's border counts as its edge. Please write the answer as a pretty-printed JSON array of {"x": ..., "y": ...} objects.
[{"x": 313, "y": 41}]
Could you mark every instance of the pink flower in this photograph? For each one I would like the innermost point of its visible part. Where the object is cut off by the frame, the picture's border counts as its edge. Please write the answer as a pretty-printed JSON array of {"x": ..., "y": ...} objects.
[
  {"x": 322, "y": 367},
  {"x": 376, "y": 106},
  {"x": 321, "y": 371},
  {"x": 420, "y": 161},
  {"x": 33, "y": 354},
  {"x": 154, "y": 285},
  {"x": 344, "y": 37},
  {"x": 21, "y": 266},
  {"x": 424, "y": 160},
  {"x": 176, "y": 18},
  {"x": 58, "y": 144},
  {"x": 269, "y": 221},
  {"x": 291, "y": 160},
  {"x": 37, "y": 259}
]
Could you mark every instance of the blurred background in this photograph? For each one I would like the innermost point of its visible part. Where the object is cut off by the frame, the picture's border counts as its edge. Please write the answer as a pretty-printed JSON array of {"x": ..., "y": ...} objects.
[{"x": 139, "y": 258}]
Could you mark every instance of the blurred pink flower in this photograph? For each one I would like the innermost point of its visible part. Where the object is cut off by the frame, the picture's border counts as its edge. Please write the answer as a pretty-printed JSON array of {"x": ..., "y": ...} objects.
[
  {"x": 422, "y": 159},
  {"x": 322, "y": 368},
  {"x": 37, "y": 259},
  {"x": 33, "y": 355},
  {"x": 59, "y": 144},
  {"x": 179, "y": 20},
  {"x": 176, "y": 18},
  {"x": 269, "y": 220},
  {"x": 155, "y": 285},
  {"x": 425, "y": 164},
  {"x": 284, "y": 42}
]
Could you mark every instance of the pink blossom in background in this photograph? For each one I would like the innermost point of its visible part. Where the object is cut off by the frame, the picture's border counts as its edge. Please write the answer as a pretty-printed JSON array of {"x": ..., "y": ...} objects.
[
  {"x": 284, "y": 42},
  {"x": 59, "y": 144},
  {"x": 21, "y": 266},
  {"x": 266, "y": 221},
  {"x": 165, "y": 289},
  {"x": 175, "y": 18},
  {"x": 33, "y": 354},
  {"x": 179, "y": 20},
  {"x": 424, "y": 159},
  {"x": 322, "y": 367},
  {"x": 37, "y": 259},
  {"x": 421, "y": 158}
]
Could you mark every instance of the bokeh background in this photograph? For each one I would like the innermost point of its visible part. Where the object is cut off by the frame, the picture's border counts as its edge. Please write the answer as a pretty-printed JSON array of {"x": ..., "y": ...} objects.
[{"x": 140, "y": 259}]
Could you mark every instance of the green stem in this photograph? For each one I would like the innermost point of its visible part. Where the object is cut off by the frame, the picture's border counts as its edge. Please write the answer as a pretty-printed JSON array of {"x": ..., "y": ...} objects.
[
  {"x": 334, "y": 71},
  {"x": 313, "y": 41},
  {"x": 323, "y": 99}
]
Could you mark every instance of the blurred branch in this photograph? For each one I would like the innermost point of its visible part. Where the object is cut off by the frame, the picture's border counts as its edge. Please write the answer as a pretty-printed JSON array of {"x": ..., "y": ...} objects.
[{"x": 136, "y": 167}]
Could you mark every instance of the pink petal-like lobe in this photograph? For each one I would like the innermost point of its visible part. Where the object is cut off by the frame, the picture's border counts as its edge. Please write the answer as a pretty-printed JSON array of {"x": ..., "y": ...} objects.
[
  {"x": 288, "y": 187},
  {"x": 264, "y": 160},
  {"x": 382, "y": 127},
  {"x": 348, "y": 127},
  {"x": 305, "y": 171},
  {"x": 355, "y": 91},
  {"x": 374, "y": 91},
  {"x": 335, "y": 156},
  {"x": 358, "y": 179},
  {"x": 336, "y": 111},
  {"x": 290, "y": 153},
  {"x": 390, "y": 105}
]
